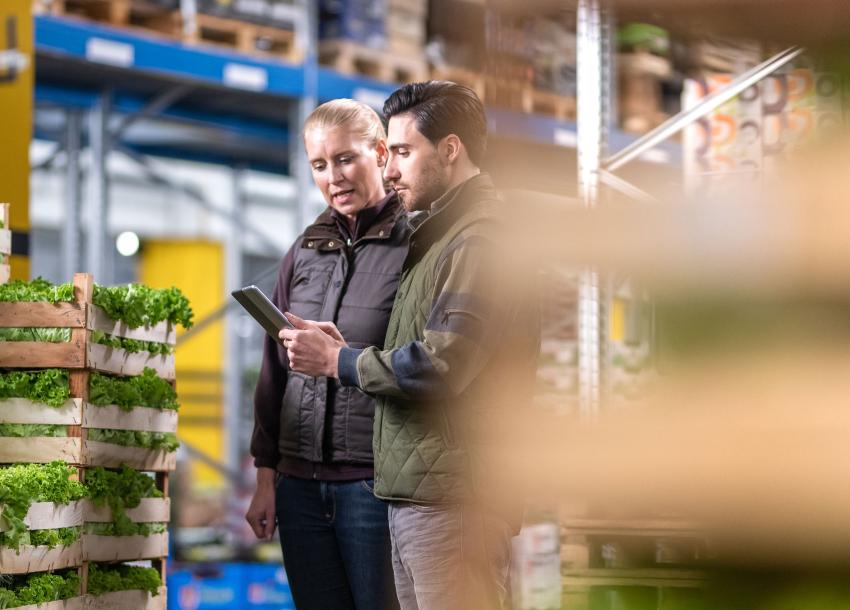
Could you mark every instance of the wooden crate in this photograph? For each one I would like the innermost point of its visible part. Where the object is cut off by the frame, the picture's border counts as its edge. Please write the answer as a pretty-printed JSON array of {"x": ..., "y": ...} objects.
[
  {"x": 245, "y": 37},
  {"x": 137, "y": 14},
  {"x": 79, "y": 415},
  {"x": 80, "y": 352},
  {"x": 41, "y": 516},
  {"x": 126, "y": 600},
  {"x": 129, "y": 548},
  {"x": 352, "y": 58},
  {"x": 82, "y": 356},
  {"x": 5, "y": 244}
]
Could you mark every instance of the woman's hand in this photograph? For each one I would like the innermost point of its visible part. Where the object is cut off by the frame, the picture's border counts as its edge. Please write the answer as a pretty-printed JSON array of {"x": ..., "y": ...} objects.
[
  {"x": 261, "y": 513},
  {"x": 313, "y": 347}
]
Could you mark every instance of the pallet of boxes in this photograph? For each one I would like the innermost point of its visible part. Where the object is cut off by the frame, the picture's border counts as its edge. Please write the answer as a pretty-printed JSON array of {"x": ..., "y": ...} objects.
[
  {"x": 268, "y": 28},
  {"x": 380, "y": 39},
  {"x": 88, "y": 415},
  {"x": 5, "y": 243}
]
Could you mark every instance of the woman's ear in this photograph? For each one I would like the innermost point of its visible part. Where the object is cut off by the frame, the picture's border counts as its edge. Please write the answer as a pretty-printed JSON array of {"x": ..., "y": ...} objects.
[{"x": 381, "y": 153}]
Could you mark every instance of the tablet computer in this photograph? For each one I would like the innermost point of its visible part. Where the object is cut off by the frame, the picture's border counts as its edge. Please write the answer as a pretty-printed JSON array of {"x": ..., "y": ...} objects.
[{"x": 262, "y": 310}]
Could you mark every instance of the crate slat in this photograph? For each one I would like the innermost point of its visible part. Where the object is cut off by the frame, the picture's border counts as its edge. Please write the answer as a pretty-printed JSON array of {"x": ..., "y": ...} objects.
[
  {"x": 23, "y": 411},
  {"x": 40, "y": 558},
  {"x": 42, "y": 315},
  {"x": 139, "y": 418},
  {"x": 124, "y": 548},
  {"x": 36, "y": 354},
  {"x": 121, "y": 600},
  {"x": 120, "y": 362},
  {"x": 40, "y": 450},
  {"x": 48, "y": 515},
  {"x": 149, "y": 510},
  {"x": 108, "y": 455},
  {"x": 164, "y": 332}
]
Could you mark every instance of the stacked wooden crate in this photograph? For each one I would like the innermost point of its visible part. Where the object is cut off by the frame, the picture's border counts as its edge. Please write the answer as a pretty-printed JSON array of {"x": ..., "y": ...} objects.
[{"x": 83, "y": 358}]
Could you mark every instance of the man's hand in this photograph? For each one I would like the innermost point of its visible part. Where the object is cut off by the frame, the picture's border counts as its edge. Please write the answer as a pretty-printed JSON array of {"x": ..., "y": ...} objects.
[
  {"x": 261, "y": 513},
  {"x": 312, "y": 347}
]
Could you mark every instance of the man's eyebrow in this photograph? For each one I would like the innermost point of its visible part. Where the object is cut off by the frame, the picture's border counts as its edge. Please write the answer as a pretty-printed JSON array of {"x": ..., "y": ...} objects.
[{"x": 395, "y": 147}]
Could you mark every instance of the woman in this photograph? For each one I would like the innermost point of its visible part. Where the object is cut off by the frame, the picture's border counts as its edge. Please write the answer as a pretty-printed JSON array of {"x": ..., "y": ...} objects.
[{"x": 311, "y": 435}]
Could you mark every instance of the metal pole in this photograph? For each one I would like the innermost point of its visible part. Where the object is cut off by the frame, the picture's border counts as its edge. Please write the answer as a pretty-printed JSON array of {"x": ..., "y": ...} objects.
[
  {"x": 299, "y": 167},
  {"x": 592, "y": 66},
  {"x": 626, "y": 188},
  {"x": 707, "y": 105},
  {"x": 73, "y": 196},
  {"x": 233, "y": 345},
  {"x": 98, "y": 195}
]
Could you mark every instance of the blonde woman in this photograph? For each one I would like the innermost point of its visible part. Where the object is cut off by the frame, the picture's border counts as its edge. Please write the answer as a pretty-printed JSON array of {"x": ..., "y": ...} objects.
[{"x": 312, "y": 441}]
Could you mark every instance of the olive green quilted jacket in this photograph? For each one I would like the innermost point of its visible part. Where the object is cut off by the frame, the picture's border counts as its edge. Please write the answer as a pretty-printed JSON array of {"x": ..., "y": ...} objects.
[{"x": 441, "y": 373}]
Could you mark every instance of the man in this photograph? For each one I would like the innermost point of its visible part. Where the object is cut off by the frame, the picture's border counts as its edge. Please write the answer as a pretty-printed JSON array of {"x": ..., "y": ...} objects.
[{"x": 458, "y": 351}]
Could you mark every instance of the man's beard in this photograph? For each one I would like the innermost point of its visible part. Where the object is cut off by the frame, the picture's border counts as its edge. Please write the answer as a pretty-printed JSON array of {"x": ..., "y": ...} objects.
[{"x": 431, "y": 187}]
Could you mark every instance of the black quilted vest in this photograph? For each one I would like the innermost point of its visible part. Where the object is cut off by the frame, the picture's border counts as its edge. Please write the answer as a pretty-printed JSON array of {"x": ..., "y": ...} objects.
[{"x": 353, "y": 285}]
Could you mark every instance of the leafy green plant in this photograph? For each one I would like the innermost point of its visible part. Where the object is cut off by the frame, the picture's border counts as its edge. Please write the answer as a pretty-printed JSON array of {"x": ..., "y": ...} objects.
[
  {"x": 38, "y": 289},
  {"x": 38, "y": 589},
  {"x": 134, "y": 529},
  {"x": 135, "y": 438},
  {"x": 105, "y": 578},
  {"x": 23, "y": 484},
  {"x": 32, "y": 430},
  {"x": 43, "y": 335},
  {"x": 63, "y": 335},
  {"x": 133, "y": 346},
  {"x": 135, "y": 304},
  {"x": 120, "y": 490},
  {"x": 51, "y": 538},
  {"x": 145, "y": 390},
  {"x": 48, "y": 386},
  {"x": 139, "y": 305}
]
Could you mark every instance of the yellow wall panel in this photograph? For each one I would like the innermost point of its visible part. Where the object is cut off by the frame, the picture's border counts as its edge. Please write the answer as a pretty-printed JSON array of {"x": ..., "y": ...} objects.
[
  {"x": 16, "y": 93},
  {"x": 196, "y": 267}
]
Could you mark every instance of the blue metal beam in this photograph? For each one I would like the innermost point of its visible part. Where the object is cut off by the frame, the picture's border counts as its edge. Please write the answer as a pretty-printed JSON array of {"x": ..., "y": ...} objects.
[
  {"x": 130, "y": 50},
  {"x": 124, "y": 103}
]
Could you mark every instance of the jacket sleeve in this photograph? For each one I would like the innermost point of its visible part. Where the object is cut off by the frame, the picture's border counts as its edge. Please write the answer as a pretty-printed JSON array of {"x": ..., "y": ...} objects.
[
  {"x": 463, "y": 327},
  {"x": 272, "y": 381}
]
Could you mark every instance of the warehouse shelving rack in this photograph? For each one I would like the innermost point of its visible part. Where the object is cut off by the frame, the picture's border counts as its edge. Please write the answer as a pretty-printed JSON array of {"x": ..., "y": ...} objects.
[{"x": 103, "y": 84}]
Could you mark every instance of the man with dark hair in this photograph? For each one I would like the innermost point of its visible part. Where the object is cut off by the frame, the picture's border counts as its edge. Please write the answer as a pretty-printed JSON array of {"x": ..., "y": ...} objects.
[{"x": 458, "y": 351}]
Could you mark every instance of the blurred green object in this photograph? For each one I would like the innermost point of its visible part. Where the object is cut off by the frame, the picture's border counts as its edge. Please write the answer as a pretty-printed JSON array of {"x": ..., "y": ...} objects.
[{"x": 634, "y": 37}]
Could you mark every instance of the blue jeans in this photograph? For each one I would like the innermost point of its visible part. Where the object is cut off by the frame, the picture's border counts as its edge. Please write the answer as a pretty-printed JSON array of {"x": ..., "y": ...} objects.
[{"x": 336, "y": 545}]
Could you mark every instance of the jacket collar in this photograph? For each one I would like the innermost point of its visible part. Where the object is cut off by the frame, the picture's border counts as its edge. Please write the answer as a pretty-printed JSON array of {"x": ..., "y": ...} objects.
[
  {"x": 376, "y": 222},
  {"x": 453, "y": 204}
]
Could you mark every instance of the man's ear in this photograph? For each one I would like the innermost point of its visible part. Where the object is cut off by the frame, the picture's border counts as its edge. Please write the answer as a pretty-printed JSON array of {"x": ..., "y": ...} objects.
[{"x": 451, "y": 148}]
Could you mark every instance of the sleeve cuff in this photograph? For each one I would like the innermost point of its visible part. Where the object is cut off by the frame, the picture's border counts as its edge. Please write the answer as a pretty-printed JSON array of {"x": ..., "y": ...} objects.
[
  {"x": 347, "y": 366},
  {"x": 264, "y": 463}
]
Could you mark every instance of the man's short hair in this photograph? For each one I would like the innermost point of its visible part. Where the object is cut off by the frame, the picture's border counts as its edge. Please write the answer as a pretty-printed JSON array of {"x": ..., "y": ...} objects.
[{"x": 441, "y": 108}]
